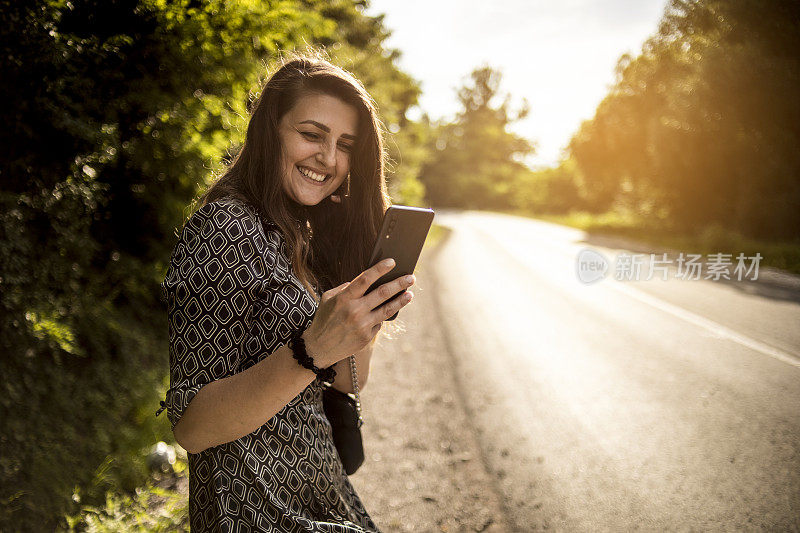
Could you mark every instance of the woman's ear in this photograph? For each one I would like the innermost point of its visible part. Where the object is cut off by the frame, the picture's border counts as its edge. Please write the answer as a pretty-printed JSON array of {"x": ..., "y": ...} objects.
[
  {"x": 343, "y": 190},
  {"x": 336, "y": 197}
]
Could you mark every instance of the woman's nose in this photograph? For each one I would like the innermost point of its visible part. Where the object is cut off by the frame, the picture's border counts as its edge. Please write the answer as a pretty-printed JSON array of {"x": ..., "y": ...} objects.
[{"x": 327, "y": 155}]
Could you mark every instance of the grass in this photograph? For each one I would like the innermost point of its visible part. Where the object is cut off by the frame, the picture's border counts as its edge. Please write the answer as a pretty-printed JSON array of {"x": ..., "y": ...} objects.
[
  {"x": 784, "y": 255},
  {"x": 436, "y": 234},
  {"x": 161, "y": 505}
]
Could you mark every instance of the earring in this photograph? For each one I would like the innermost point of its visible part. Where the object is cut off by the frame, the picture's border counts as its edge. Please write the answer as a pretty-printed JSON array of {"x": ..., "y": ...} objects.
[{"x": 347, "y": 186}]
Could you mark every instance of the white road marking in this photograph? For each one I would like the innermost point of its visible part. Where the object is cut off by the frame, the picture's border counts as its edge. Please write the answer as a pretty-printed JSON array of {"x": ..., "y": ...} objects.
[{"x": 717, "y": 329}]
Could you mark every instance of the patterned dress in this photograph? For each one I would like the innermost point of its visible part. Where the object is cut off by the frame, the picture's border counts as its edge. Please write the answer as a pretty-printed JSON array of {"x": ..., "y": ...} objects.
[{"x": 232, "y": 300}]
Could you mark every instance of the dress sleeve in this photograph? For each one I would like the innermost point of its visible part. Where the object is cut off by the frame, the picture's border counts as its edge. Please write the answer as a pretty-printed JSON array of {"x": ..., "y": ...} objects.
[{"x": 216, "y": 271}]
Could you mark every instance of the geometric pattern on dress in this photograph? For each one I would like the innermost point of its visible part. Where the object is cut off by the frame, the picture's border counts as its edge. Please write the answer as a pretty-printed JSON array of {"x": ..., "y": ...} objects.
[{"x": 232, "y": 299}]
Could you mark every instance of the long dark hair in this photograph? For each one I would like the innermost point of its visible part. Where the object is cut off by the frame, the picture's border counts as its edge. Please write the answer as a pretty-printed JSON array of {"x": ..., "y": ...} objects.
[{"x": 330, "y": 242}]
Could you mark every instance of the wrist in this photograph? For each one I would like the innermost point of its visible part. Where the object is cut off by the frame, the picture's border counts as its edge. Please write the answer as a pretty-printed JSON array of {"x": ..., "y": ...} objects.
[
  {"x": 305, "y": 357},
  {"x": 317, "y": 349},
  {"x": 313, "y": 348}
]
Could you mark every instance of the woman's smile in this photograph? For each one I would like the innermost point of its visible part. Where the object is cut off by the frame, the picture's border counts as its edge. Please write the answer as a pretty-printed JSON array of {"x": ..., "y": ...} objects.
[{"x": 316, "y": 176}]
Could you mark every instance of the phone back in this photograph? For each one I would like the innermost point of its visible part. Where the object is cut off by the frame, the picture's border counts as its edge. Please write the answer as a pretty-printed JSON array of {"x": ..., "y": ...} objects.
[{"x": 402, "y": 236}]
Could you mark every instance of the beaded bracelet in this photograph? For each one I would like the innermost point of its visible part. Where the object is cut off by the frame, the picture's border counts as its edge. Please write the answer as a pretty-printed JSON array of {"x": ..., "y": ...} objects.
[{"x": 298, "y": 346}]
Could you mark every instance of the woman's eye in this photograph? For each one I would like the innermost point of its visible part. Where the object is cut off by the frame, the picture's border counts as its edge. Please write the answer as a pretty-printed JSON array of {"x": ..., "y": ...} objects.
[
  {"x": 310, "y": 135},
  {"x": 346, "y": 147}
]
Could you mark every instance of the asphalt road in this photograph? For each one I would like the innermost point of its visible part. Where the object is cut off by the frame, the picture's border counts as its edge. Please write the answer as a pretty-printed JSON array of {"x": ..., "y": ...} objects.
[{"x": 621, "y": 405}]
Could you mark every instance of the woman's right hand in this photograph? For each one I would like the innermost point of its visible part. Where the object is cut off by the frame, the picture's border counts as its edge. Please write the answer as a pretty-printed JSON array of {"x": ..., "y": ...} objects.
[{"x": 347, "y": 319}]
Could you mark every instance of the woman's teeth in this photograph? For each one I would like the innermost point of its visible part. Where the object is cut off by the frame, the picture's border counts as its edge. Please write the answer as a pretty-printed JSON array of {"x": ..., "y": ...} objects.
[{"x": 311, "y": 174}]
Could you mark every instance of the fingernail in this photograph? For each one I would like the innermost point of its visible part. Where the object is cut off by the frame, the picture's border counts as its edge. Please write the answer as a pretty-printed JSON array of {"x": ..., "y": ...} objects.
[
  {"x": 410, "y": 279},
  {"x": 389, "y": 262}
]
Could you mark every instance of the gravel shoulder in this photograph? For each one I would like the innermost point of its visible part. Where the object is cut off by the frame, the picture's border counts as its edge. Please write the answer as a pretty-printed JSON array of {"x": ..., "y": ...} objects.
[{"x": 423, "y": 469}]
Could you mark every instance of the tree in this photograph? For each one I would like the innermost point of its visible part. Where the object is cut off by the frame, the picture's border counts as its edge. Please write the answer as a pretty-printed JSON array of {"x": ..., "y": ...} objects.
[
  {"x": 700, "y": 128},
  {"x": 475, "y": 160}
]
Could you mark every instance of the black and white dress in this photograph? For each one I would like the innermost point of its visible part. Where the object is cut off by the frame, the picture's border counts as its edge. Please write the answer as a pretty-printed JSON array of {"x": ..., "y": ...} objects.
[{"x": 232, "y": 300}]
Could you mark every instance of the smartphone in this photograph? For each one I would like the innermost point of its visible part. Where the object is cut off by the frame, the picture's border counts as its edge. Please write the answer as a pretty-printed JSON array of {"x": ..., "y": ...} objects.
[{"x": 402, "y": 235}]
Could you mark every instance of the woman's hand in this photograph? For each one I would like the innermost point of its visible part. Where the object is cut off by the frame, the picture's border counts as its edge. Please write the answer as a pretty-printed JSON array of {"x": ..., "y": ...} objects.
[{"x": 347, "y": 319}]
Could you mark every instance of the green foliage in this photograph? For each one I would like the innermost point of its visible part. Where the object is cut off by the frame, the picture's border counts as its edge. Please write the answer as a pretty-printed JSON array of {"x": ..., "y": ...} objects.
[
  {"x": 151, "y": 508},
  {"x": 475, "y": 161},
  {"x": 551, "y": 190},
  {"x": 116, "y": 111},
  {"x": 702, "y": 127}
]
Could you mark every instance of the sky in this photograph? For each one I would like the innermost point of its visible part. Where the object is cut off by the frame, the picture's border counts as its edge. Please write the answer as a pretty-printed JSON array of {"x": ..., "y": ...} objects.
[{"x": 558, "y": 54}]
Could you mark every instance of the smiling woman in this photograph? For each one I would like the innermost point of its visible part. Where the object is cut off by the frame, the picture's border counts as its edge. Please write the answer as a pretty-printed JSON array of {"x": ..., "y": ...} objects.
[{"x": 267, "y": 308}]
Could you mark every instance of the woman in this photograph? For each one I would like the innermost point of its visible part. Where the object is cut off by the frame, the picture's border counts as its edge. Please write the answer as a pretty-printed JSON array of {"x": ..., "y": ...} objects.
[{"x": 275, "y": 256}]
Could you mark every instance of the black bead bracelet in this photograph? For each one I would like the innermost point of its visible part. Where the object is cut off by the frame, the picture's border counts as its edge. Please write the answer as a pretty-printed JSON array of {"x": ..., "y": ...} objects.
[{"x": 298, "y": 346}]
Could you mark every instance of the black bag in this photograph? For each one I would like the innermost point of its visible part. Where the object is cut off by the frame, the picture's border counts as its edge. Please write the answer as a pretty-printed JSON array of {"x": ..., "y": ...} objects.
[{"x": 342, "y": 413}]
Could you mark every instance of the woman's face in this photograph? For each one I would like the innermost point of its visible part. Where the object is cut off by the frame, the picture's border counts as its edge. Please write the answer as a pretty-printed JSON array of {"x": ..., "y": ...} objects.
[{"x": 316, "y": 135}]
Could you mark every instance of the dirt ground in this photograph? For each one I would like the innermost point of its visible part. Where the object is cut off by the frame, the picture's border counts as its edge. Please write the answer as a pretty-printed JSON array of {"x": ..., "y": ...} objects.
[{"x": 423, "y": 470}]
